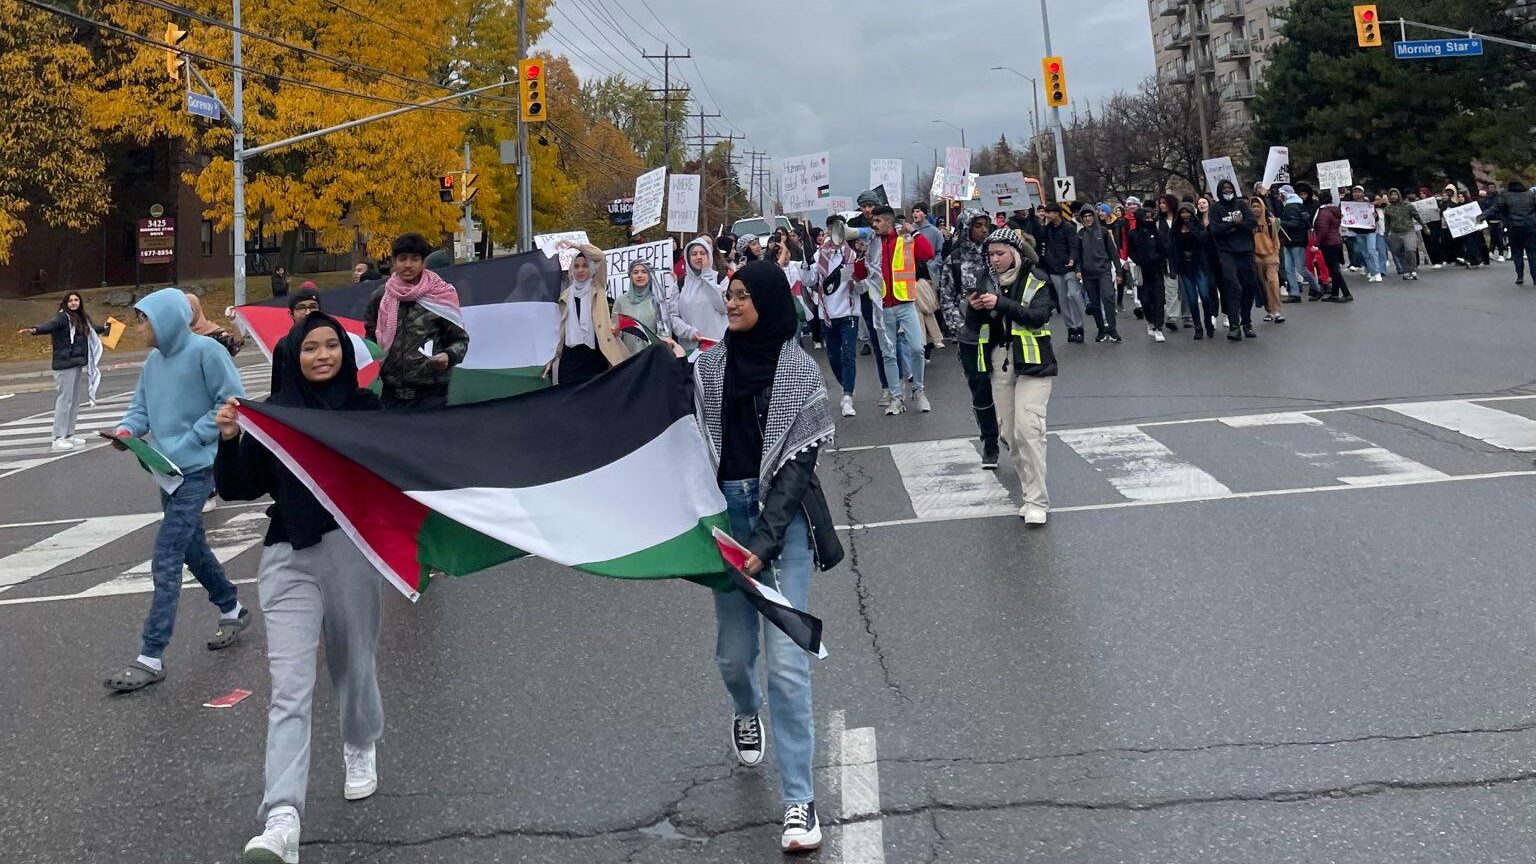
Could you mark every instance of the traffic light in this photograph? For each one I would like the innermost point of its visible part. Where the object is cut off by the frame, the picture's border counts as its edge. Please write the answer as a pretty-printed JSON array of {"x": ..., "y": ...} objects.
[
  {"x": 445, "y": 188},
  {"x": 1055, "y": 81},
  {"x": 469, "y": 188},
  {"x": 1367, "y": 29},
  {"x": 530, "y": 75},
  {"x": 173, "y": 59}
]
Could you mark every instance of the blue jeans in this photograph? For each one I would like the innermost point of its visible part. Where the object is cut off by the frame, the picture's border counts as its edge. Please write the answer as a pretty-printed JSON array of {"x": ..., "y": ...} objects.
[
  {"x": 1378, "y": 257},
  {"x": 901, "y": 324},
  {"x": 842, "y": 335},
  {"x": 181, "y": 541},
  {"x": 1199, "y": 303},
  {"x": 1295, "y": 258},
  {"x": 789, "y": 666}
]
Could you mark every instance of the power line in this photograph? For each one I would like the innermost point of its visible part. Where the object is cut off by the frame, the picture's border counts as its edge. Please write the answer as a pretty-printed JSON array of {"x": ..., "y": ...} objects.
[{"x": 597, "y": 31}]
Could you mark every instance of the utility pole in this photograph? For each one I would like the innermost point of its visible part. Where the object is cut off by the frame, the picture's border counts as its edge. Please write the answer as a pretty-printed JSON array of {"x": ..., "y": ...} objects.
[
  {"x": 1191, "y": 16},
  {"x": 666, "y": 57},
  {"x": 469, "y": 222},
  {"x": 524, "y": 164},
  {"x": 730, "y": 174},
  {"x": 753, "y": 185},
  {"x": 703, "y": 165},
  {"x": 1061, "y": 154},
  {"x": 237, "y": 119}
]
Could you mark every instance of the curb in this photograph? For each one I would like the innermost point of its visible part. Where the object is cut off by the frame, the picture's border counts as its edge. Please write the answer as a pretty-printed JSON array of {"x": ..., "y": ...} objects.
[{"x": 48, "y": 373}]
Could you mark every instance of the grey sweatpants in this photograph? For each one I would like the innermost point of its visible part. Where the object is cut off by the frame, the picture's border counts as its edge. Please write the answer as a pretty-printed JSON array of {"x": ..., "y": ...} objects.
[
  {"x": 1069, "y": 293},
  {"x": 66, "y": 406},
  {"x": 328, "y": 591}
]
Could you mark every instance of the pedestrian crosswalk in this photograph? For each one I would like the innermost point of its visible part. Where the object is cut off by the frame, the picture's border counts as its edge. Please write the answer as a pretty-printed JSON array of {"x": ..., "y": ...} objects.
[
  {"x": 1118, "y": 466},
  {"x": 27, "y": 442},
  {"x": 1214, "y": 458}
]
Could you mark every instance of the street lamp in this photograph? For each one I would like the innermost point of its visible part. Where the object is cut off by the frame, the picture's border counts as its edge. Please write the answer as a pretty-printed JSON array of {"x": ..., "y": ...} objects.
[
  {"x": 956, "y": 128},
  {"x": 1034, "y": 138}
]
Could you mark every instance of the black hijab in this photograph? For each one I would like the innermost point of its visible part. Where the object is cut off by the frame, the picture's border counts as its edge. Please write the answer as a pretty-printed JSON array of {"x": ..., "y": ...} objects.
[
  {"x": 296, "y": 390},
  {"x": 752, "y": 356}
]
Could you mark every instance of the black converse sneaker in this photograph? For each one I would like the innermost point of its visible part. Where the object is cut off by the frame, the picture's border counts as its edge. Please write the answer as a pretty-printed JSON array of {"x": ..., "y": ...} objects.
[
  {"x": 747, "y": 738},
  {"x": 802, "y": 830}
]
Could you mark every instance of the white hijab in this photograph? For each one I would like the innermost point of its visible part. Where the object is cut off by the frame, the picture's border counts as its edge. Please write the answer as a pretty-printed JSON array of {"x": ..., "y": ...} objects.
[{"x": 578, "y": 315}]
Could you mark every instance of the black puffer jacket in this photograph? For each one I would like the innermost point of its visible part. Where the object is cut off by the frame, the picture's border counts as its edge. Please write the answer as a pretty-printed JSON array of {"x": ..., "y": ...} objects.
[{"x": 69, "y": 351}]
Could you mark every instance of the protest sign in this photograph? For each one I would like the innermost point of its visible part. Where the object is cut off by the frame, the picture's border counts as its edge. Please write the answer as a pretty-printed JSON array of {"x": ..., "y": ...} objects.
[
  {"x": 550, "y": 245},
  {"x": 650, "y": 189},
  {"x": 1219, "y": 169},
  {"x": 957, "y": 164},
  {"x": 1003, "y": 192},
  {"x": 804, "y": 181},
  {"x": 840, "y": 204},
  {"x": 657, "y": 254},
  {"x": 887, "y": 173},
  {"x": 683, "y": 203},
  {"x": 1334, "y": 175},
  {"x": 1463, "y": 220},
  {"x": 1277, "y": 168},
  {"x": 936, "y": 191},
  {"x": 1428, "y": 210},
  {"x": 1358, "y": 214}
]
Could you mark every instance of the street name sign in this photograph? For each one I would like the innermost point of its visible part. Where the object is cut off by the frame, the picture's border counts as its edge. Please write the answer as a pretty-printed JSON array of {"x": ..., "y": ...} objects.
[{"x": 1417, "y": 49}]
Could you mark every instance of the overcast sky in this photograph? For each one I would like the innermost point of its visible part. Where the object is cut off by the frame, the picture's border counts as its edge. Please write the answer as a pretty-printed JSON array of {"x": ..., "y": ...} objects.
[{"x": 863, "y": 79}]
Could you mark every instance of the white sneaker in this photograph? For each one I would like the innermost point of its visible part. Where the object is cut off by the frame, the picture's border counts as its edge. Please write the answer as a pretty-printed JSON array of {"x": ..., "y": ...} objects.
[
  {"x": 279, "y": 842},
  {"x": 1436, "y": 266},
  {"x": 885, "y": 399},
  {"x": 1157, "y": 336},
  {"x": 362, "y": 771},
  {"x": 1032, "y": 515},
  {"x": 61, "y": 445},
  {"x": 848, "y": 406},
  {"x": 895, "y": 407},
  {"x": 802, "y": 829},
  {"x": 922, "y": 401},
  {"x": 77, "y": 440},
  {"x": 1151, "y": 331}
]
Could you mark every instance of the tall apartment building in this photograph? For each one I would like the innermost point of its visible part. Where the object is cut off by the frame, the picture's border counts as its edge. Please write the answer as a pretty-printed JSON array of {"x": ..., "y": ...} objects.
[{"x": 1217, "y": 45}]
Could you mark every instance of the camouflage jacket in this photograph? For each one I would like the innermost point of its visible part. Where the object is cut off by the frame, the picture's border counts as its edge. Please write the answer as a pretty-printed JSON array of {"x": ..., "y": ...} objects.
[{"x": 408, "y": 373}]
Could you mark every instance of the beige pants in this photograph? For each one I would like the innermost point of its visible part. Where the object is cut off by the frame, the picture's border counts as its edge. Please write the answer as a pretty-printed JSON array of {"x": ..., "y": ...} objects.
[
  {"x": 1269, "y": 271},
  {"x": 1021, "y": 402}
]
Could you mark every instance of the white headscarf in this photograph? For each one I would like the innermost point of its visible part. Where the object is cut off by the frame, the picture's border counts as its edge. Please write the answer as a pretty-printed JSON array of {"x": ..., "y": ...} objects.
[{"x": 578, "y": 316}]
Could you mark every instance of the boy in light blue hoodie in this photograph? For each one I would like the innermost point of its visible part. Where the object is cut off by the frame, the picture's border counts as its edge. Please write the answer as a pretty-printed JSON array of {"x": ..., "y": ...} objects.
[{"x": 185, "y": 379}]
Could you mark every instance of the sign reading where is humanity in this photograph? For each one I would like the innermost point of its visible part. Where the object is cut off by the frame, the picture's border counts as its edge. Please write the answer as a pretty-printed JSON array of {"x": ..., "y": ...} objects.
[
  {"x": 805, "y": 182},
  {"x": 650, "y": 188},
  {"x": 683, "y": 203},
  {"x": 887, "y": 173}
]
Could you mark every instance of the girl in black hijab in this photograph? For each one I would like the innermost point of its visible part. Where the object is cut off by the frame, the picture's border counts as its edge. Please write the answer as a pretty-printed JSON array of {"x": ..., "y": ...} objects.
[
  {"x": 762, "y": 405},
  {"x": 313, "y": 583}
]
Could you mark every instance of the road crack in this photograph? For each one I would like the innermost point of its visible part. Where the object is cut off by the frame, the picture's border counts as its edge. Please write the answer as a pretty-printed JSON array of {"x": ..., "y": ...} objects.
[{"x": 855, "y": 480}]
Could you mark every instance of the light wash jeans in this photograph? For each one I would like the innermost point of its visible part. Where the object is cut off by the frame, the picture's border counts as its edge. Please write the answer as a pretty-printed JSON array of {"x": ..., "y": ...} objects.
[
  {"x": 902, "y": 322},
  {"x": 789, "y": 666},
  {"x": 181, "y": 541},
  {"x": 1378, "y": 246},
  {"x": 1296, "y": 271}
]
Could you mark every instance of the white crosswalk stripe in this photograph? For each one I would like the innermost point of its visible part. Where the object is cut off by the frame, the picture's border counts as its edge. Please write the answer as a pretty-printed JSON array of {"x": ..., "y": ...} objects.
[
  {"x": 1499, "y": 428},
  {"x": 1140, "y": 466},
  {"x": 28, "y": 442}
]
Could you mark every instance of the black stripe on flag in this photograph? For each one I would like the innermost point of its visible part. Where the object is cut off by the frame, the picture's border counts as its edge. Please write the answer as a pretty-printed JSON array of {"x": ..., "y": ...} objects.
[
  {"x": 531, "y": 277},
  {"x": 527, "y": 440}
]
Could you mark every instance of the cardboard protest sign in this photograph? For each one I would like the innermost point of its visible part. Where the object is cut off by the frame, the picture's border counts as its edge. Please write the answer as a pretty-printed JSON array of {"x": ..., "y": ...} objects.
[
  {"x": 1334, "y": 175},
  {"x": 650, "y": 189},
  {"x": 804, "y": 181},
  {"x": 1219, "y": 169},
  {"x": 560, "y": 243},
  {"x": 1428, "y": 210},
  {"x": 1358, "y": 214},
  {"x": 1462, "y": 220},
  {"x": 936, "y": 191},
  {"x": 957, "y": 165},
  {"x": 683, "y": 203},
  {"x": 1277, "y": 168},
  {"x": 887, "y": 173},
  {"x": 1003, "y": 192},
  {"x": 657, "y": 254},
  {"x": 840, "y": 204}
]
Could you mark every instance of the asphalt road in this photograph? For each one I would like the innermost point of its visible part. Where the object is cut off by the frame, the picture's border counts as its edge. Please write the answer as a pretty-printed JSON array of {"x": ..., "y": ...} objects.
[{"x": 1301, "y": 638}]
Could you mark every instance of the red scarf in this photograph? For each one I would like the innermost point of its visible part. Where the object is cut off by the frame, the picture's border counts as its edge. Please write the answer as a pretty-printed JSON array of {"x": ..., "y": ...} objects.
[{"x": 429, "y": 287}]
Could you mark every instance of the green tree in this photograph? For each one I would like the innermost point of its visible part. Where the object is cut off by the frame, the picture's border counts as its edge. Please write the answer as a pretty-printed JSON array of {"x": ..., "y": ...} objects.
[{"x": 1397, "y": 121}]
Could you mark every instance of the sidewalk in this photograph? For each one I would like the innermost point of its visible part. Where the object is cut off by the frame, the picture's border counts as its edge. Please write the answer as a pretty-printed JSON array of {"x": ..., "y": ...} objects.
[{"x": 26, "y": 370}]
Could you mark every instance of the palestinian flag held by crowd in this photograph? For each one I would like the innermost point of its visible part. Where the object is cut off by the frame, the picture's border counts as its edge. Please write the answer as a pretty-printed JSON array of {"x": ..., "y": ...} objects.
[
  {"x": 547, "y": 473},
  {"x": 509, "y": 306}
]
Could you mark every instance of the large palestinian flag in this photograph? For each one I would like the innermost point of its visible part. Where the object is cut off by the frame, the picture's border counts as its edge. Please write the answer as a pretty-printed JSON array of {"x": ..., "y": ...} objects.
[
  {"x": 509, "y": 306},
  {"x": 611, "y": 477}
]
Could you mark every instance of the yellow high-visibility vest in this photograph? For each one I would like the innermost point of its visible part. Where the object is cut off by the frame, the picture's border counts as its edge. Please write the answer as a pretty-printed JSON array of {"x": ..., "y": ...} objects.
[{"x": 903, "y": 272}]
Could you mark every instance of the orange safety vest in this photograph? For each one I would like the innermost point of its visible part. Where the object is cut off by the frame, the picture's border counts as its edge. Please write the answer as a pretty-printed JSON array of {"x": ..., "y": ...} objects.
[{"x": 903, "y": 272}]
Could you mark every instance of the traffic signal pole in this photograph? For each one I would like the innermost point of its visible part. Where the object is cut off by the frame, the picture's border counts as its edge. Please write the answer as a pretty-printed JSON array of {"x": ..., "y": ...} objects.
[
  {"x": 1061, "y": 153},
  {"x": 524, "y": 164}
]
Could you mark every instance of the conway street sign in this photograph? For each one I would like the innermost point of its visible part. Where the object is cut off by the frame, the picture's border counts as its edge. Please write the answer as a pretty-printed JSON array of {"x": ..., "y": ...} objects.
[
  {"x": 202, "y": 105},
  {"x": 1417, "y": 49}
]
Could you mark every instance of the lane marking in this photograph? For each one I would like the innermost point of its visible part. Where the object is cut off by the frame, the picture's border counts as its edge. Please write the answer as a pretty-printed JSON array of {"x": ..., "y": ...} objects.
[
  {"x": 860, "y": 842},
  {"x": 1187, "y": 421},
  {"x": 67, "y": 545},
  {"x": 1140, "y": 466},
  {"x": 1380, "y": 465},
  {"x": 146, "y": 589},
  {"x": 945, "y": 480},
  {"x": 1267, "y": 493},
  {"x": 228, "y": 541},
  {"x": 1489, "y": 425},
  {"x": 230, "y": 505}
]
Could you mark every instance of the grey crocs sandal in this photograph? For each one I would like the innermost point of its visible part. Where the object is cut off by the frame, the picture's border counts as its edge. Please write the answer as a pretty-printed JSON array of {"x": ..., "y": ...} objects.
[
  {"x": 229, "y": 630},
  {"x": 134, "y": 676}
]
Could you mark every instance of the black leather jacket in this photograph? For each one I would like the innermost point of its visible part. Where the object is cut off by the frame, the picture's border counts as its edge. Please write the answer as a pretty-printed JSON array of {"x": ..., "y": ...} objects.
[{"x": 794, "y": 488}]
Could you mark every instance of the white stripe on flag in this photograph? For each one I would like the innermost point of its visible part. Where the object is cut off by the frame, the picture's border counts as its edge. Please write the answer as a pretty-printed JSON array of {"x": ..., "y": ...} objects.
[
  {"x": 510, "y": 335},
  {"x": 646, "y": 498}
]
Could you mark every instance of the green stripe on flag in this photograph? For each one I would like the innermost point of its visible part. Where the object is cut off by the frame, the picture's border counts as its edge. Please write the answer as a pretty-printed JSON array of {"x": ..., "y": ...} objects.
[
  {"x": 467, "y": 384},
  {"x": 153, "y": 460},
  {"x": 692, "y": 554}
]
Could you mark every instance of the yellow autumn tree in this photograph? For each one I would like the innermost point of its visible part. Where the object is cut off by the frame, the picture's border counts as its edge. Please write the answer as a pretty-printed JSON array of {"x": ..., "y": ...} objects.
[{"x": 51, "y": 164}]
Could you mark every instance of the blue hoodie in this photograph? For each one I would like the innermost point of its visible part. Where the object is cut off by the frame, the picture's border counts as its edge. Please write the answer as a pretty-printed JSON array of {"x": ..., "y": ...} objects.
[{"x": 184, "y": 381}]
